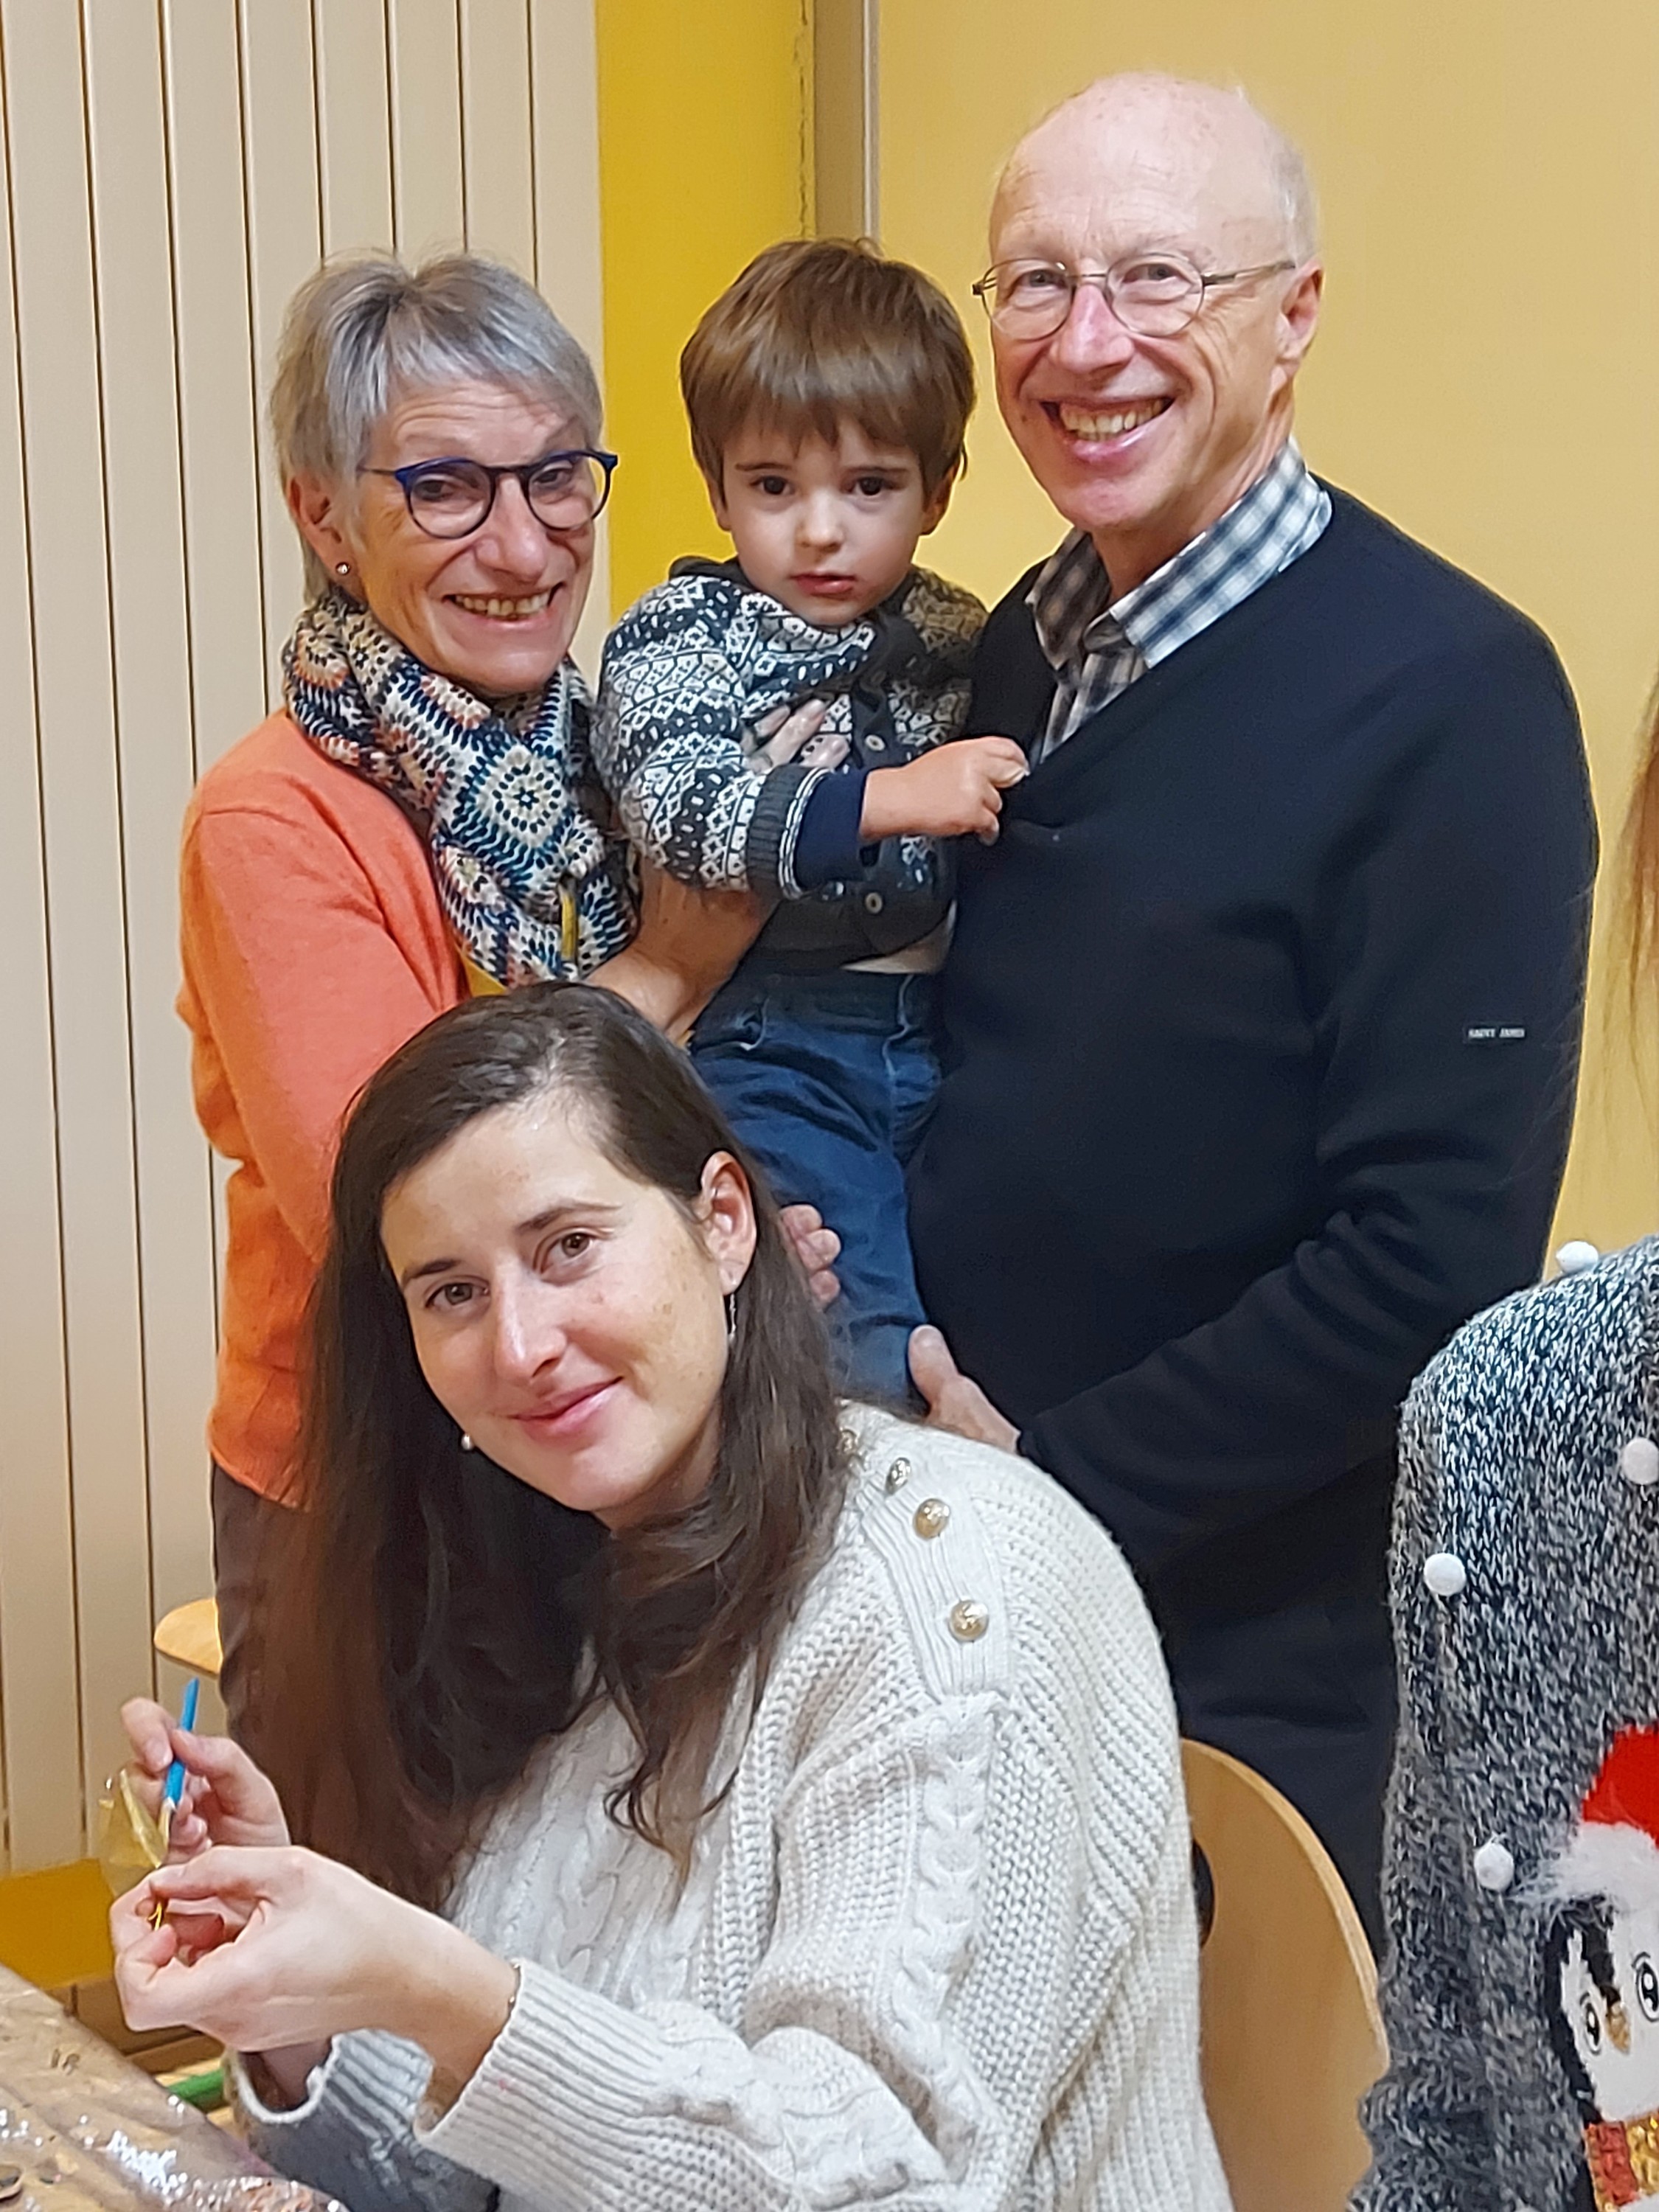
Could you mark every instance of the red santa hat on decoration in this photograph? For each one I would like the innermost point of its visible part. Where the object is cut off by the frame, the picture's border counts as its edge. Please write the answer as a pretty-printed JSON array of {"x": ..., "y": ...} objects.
[{"x": 1613, "y": 1851}]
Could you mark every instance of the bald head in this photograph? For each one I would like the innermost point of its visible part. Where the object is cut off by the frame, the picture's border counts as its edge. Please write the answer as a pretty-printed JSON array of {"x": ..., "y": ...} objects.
[
  {"x": 1142, "y": 434},
  {"x": 1246, "y": 181}
]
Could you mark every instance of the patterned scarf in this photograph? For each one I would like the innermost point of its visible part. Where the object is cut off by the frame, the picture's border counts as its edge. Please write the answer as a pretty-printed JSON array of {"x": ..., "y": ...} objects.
[{"x": 505, "y": 795}]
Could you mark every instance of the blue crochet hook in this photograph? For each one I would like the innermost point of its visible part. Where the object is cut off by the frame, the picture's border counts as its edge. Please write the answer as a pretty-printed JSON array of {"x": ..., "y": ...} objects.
[{"x": 174, "y": 1789}]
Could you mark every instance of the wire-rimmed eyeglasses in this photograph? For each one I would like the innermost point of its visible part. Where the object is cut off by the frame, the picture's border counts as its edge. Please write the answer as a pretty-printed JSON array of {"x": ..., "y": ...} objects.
[
  {"x": 1155, "y": 295},
  {"x": 451, "y": 498}
]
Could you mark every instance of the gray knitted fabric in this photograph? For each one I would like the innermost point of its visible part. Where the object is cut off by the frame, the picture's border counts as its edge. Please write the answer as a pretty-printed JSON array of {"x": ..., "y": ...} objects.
[{"x": 1515, "y": 2028}]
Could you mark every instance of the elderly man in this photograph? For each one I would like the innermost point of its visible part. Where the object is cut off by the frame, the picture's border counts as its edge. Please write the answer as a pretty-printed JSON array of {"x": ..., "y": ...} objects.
[{"x": 1263, "y": 1014}]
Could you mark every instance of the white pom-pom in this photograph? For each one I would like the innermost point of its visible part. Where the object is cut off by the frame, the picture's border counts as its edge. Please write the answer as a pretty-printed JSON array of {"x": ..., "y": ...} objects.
[
  {"x": 1494, "y": 1865},
  {"x": 1445, "y": 1574},
  {"x": 1575, "y": 1256},
  {"x": 1638, "y": 1462}
]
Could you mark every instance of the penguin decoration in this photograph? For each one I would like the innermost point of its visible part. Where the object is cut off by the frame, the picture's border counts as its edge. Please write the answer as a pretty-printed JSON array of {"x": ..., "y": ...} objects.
[{"x": 1601, "y": 1978}]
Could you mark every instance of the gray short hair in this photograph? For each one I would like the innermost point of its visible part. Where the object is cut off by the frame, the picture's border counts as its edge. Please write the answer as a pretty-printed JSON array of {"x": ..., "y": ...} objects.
[
  {"x": 1293, "y": 184},
  {"x": 364, "y": 331}
]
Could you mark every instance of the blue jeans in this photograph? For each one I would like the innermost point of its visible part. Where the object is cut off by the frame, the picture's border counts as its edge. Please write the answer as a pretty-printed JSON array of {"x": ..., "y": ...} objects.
[{"x": 829, "y": 1081}]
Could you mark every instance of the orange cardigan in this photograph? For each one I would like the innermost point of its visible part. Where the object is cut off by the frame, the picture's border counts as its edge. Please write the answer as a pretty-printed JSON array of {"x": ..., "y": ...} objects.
[{"x": 313, "y": 947}]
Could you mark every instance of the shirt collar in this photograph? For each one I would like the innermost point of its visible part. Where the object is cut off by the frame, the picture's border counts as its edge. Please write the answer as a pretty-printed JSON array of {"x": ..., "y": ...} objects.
[{"x": 1071, "y": 599}]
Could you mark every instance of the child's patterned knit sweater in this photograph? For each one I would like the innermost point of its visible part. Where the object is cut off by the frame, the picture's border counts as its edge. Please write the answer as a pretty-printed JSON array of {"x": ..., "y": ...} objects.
[
  {"x": 692, "y": 671},
  {"x": 937, "y": 1946}
]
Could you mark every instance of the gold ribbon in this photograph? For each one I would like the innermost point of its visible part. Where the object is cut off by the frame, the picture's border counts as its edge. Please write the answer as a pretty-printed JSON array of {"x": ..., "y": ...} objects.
[{"x": 1622, "y": 2157}]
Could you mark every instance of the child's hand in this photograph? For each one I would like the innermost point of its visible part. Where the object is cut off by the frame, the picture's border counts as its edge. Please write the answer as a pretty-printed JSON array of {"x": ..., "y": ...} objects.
[
  {"x": 798, "y": 737},
  {"x": 954, "y": 791}
]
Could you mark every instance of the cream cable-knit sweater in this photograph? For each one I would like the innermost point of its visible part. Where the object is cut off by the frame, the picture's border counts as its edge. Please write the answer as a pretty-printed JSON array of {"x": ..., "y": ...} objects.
[{"x": 937, "y": 1946}]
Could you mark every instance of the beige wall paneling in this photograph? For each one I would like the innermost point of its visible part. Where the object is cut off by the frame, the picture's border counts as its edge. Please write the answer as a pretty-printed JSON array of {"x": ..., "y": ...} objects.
[
  {"x": 566, "y": 149},
  {"x": 353, "y": 112},
  {"x": 40, "y": 1714},
  {"x": 85, "y": 870},
  {"x": 496, "y": 133},
  {"x": 215, "y": 372},
  {"x": 245, "y": 196},
  {"x": 429, "y": 197},
  {"x": 285, "y": 240},
  {"x": 172, "y": 170},
  {"x": 565, "y": 204},
  {"x": 144, "y": 506},
  {"x": 846, "y": 175}
]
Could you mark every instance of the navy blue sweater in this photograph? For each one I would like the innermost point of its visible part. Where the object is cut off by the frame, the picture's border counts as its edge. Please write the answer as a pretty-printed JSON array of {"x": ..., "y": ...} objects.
[{"x": 1261, "y": 1027}]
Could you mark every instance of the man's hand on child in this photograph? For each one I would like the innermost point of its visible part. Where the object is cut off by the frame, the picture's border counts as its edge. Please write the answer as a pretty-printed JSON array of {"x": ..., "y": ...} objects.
[
  {"x": 954, "y": 1401},
  {"x": 954, "y": 791}
]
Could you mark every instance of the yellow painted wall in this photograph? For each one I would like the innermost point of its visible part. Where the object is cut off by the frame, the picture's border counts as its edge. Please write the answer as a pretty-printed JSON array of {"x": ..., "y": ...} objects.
[
  {"x": 1486, "y": 376},
  {"x": 704, "y": 129}
]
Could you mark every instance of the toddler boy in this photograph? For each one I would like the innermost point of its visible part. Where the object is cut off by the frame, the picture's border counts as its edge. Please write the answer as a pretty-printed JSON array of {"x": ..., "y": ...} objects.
[{"x": 828, "y": 392}]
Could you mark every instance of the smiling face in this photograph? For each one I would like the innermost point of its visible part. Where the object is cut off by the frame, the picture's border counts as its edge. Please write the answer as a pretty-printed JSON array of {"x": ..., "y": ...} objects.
[
  {"x": 567, "y": 1317},
  {"x": 1145, "y": 442},
  {"x": 496, "y": 610},
  {"x": 827, "y": 530}
]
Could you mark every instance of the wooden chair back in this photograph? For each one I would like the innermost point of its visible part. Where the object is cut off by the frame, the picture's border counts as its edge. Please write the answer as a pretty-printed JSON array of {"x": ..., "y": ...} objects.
[
  {"x": 190, "y": 1636},
  {"x": 1291, "y": 2035}
]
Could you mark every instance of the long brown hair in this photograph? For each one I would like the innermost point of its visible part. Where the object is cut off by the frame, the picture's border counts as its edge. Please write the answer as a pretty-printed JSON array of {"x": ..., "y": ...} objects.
[{"x": 439, "y": 1619}]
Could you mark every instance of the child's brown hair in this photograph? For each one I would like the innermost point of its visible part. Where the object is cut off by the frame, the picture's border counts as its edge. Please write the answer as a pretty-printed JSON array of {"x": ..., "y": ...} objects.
[{"x": 821, "y": 330}]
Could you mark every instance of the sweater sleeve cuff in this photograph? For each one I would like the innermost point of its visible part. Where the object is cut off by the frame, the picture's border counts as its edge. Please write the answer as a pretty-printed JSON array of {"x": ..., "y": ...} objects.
[
  {"x": 569, "y": 2078},
  {"x": 362, "y": 2093},
  {"x": 826, "y": 844},
  {"x": 262, "y": 2115}
]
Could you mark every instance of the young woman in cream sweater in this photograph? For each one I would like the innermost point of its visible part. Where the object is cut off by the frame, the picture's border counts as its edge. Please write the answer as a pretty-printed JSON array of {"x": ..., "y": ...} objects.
[{"x": 707, "y": 1794}]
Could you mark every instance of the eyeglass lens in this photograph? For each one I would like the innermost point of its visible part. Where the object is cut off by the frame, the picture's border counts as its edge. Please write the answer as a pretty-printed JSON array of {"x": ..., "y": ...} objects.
[
  {"x": 452, "y": 498},
  {"x": 1157, "y": 296}
]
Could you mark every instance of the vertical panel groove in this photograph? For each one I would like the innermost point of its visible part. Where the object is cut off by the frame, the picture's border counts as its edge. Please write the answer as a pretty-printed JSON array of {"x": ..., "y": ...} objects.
[
  {"x": 394, "y": 147},
  {"x": 460, "y": 50},
  {"x": 120, "y": 789},
  {"x": 196, "y": 761},
  {"x": 16, "y": 1814},
  {"x": 247, "y": 263},
  {"x": 534, "y": 271},
  {"x": 317, "y": 113},
  {"x": 53, "y": 1063}
]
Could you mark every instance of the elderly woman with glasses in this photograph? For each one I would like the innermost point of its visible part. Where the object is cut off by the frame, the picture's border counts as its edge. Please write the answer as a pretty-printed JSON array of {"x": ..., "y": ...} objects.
[{"x": 419, "y": 819}]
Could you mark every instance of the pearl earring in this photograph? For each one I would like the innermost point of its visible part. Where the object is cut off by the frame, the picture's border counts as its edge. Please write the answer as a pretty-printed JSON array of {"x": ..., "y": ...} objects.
[
  {"x": 467, "y": 1443},
  {"x": 342, "y": 567}
]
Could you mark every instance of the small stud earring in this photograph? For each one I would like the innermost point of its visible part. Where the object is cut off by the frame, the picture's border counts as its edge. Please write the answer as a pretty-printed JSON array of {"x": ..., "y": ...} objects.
[
  {"x": 467, "y": 1443},
  {"x": 342, "y": 567}
]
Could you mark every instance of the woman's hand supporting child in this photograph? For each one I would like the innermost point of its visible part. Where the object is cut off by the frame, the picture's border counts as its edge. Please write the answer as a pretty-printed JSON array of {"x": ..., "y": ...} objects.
[{"x": 954, "y": 791}]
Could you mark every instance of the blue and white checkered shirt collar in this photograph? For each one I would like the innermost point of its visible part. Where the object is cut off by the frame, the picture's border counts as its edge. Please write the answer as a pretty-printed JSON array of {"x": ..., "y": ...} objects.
[{"x": 1097, "y": 646}]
